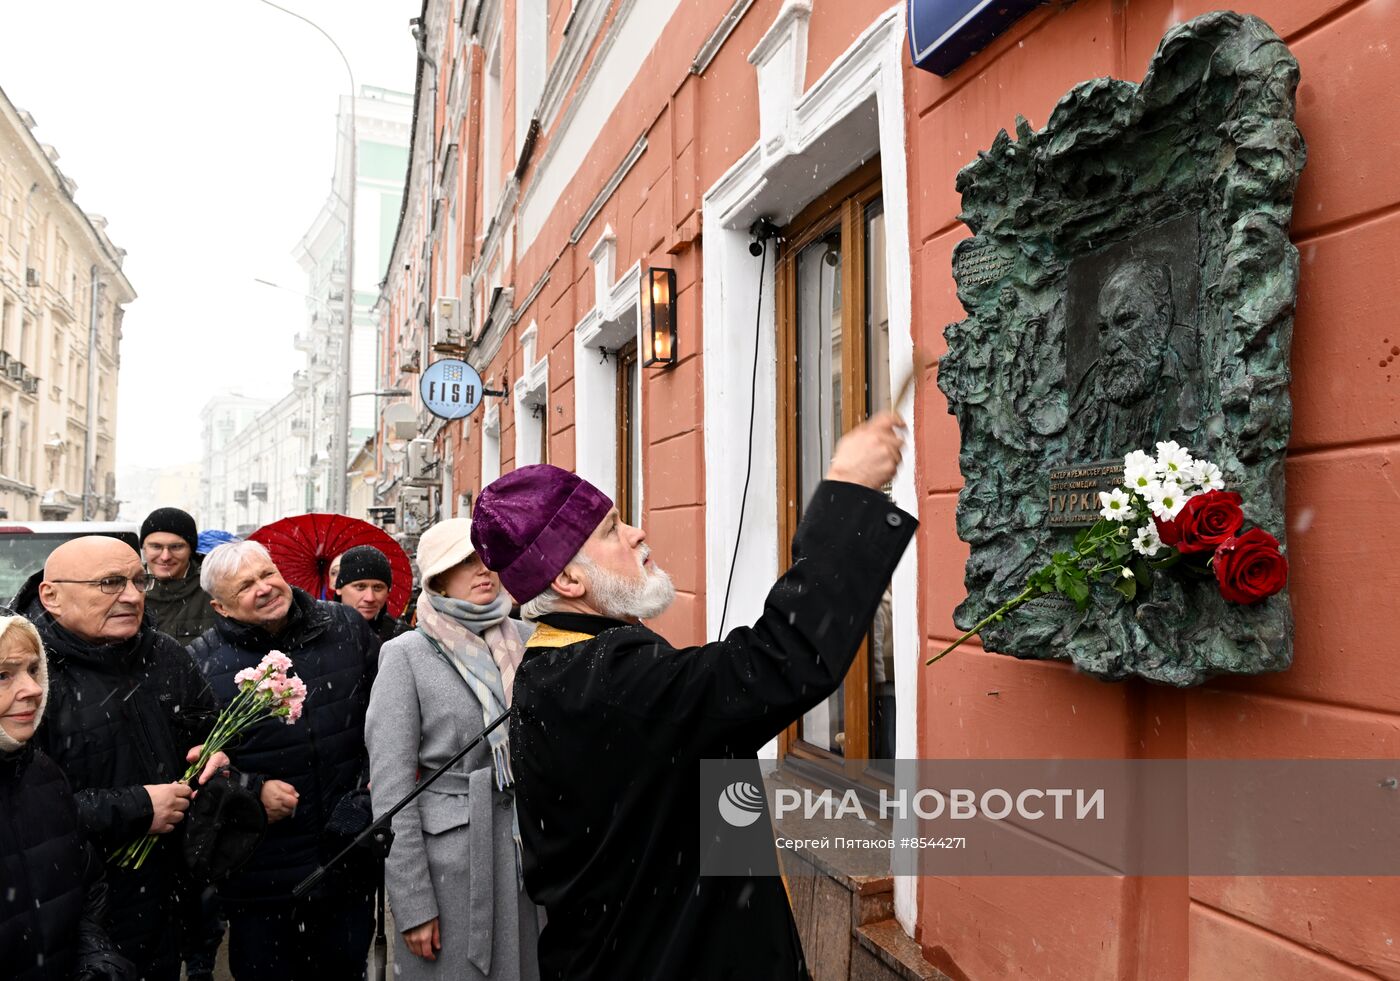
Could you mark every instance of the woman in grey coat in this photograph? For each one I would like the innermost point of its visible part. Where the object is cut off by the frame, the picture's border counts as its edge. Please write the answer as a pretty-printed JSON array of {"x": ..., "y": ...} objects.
[{"x": 453, "y": 874}]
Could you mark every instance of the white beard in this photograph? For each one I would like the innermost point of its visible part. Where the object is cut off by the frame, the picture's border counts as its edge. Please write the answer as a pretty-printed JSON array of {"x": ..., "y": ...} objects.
[{"x": 619, "y": 597}]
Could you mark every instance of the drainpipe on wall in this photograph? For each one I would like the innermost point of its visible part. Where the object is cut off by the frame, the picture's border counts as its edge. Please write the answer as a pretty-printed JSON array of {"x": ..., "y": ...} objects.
[
  {"x": 420, "y": 34},
  {"x": 419, "y": 30},
  {"x": 90, "y": 450}
]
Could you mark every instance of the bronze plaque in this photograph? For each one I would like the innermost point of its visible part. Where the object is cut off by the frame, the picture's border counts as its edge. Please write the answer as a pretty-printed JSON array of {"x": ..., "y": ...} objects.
[
  {"x": 1074, "y": 492},
  {"x": 1129, "y": 279}
]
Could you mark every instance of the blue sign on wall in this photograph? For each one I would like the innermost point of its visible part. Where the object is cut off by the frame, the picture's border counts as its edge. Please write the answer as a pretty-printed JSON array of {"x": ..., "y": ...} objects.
[
  {"x": 451, "y": 389},
  {"x": 945, "y": 33}
]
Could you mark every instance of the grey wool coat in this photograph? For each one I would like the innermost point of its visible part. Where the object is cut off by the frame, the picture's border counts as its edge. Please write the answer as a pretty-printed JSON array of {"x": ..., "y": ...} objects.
[{"x": 453, "y": 855}]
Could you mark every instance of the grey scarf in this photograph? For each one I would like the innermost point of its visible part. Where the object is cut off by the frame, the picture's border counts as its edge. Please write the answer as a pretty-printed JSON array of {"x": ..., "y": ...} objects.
[
  {"x": 473, "y": 616},
  {"x": 483, "y": 647}
]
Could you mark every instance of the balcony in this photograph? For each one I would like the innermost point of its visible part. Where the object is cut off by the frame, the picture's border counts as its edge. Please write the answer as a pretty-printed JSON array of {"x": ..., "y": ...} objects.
[
  {"x": 301, "y": 380},
  {"x": 240, "y": 497},
  {"x": 303, "y": 341},
  {"x": 259, "y": 490},
  {"x": 299, "y": 427}
]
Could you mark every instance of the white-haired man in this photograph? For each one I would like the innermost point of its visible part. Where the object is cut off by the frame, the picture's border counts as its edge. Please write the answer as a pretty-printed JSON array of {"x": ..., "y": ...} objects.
[
  {"x": 304, "y": 772},
  {"x": 611, "y": 721}
]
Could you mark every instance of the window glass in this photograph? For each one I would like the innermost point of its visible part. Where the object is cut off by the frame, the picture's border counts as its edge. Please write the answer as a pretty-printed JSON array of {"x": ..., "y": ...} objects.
[{"x": 819, "y": 391}]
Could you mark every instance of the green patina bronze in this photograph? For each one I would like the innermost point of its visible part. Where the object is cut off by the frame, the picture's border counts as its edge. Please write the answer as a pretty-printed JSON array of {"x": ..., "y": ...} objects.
[{"x": 1130, "y": 279}]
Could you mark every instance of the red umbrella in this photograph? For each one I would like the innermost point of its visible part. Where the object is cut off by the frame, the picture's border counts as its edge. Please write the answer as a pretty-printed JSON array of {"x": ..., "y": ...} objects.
[{"x": 303, "y": 547}]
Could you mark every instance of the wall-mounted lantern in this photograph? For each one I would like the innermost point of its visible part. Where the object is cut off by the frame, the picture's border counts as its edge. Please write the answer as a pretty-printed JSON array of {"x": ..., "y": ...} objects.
[{"x": 658, "y": 316}]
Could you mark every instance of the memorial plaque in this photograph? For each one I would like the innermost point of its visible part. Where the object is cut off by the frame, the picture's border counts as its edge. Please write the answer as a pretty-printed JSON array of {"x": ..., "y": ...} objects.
[
  {"x": 1130, "y": 279},
  {"x": 1074, "y": 492}
]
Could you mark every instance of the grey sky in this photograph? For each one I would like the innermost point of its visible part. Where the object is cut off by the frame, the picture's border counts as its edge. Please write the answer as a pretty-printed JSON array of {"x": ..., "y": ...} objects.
[{"x": 205, "y": 133}]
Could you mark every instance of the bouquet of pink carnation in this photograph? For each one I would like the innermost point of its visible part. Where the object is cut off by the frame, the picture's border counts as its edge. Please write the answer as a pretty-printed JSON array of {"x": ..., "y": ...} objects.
[{"x": 268, "y": 691}]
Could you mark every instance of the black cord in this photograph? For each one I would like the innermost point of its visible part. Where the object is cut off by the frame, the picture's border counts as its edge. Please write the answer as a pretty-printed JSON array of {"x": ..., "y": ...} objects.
[{"x": 748, "y": 471}]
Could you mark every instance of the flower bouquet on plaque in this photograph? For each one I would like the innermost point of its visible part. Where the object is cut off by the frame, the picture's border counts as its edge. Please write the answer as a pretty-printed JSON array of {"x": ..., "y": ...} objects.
[
  {"x": 1171, "y": 514},
  {"x": 267, "y": 691}
]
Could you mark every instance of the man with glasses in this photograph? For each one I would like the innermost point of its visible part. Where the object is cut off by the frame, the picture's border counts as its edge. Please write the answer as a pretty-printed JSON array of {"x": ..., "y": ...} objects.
[
  {"x": 127, "y": 708},
  {"x": 169, "y": 539}
]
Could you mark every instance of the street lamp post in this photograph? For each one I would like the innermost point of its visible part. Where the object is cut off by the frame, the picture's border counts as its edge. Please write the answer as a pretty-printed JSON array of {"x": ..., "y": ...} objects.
[{"x": 340, "y": 440}]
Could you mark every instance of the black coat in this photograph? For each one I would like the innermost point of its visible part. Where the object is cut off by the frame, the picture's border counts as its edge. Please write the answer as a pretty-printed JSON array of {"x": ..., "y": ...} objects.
[
  {"x": 323, "y": 756},
  {"x": 387, "y": 627},
  {"x": 606, "y": 740},
  {"x": 120, "y": 716},
  {"x": 52, "y": 906},
  {"x": 180, "y": 608}
]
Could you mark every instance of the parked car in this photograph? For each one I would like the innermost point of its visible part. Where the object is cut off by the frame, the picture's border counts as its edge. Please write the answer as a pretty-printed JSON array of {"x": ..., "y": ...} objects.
[{"x": 25, "y": 545}]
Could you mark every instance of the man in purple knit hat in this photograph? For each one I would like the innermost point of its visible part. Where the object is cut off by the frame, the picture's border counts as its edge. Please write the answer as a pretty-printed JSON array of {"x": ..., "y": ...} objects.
[{"x": 611, "y": 722}]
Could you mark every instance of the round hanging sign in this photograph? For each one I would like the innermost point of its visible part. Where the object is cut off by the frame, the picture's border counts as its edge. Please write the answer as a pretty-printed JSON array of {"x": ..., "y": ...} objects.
[{"x": 451, "y": 388}]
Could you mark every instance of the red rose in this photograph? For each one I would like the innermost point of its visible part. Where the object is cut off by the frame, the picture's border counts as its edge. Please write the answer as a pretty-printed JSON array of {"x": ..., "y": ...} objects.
[
  {"x": 1249, "y": 567},
  {"x": 1204, "y": 523}
]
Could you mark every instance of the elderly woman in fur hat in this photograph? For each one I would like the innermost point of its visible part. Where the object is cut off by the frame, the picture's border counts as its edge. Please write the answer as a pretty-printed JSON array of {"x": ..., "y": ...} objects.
[
  {"x": 52, "y": 910},
  {"x": 453, "y": 876}
]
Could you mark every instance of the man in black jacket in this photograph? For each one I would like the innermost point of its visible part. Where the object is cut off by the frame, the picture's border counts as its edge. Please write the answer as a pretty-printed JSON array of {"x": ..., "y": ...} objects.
[
  {"x": 363, "y": 578},
  {"x": 611, "y": 721},
  {"x": 169, "y": 539},
  {"x": 127, "y": 708},
  {"x": 306, "y": 773}
]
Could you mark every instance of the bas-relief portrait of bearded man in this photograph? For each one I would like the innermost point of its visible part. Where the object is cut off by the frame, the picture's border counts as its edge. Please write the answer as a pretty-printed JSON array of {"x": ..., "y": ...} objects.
[{"x": 1132, "y": 349}]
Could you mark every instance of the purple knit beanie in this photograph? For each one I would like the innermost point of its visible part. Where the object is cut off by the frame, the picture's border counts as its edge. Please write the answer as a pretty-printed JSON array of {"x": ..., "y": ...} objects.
[{"x": 529, "y": 524}]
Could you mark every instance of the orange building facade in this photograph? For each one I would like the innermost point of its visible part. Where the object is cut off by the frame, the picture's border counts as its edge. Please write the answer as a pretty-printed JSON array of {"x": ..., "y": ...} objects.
[{"x": 565, "y": 149}]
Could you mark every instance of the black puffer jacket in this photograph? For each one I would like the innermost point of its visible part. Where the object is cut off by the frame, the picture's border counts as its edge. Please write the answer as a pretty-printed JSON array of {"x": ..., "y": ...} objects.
[
  {"x": 181, "y": 609},
  {"x": 121, "y": 716},
  {"x": 53, "y": 903},
  {"x": 323, "y": 756}
]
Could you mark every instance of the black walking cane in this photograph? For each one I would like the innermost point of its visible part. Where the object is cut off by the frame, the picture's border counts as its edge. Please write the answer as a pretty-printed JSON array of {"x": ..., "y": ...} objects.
[
  {"x": 380, "y": 970},
  {"x": 381, "y": 835}
]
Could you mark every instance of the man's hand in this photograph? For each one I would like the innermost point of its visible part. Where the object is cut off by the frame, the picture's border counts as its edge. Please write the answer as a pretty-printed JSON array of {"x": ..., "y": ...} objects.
[
  {"x": 169, "y": 802},
  {"x": 219, "y": 761},
  {"x": 279, "y": 799},
  {"x": 869, "y": 455},
  {"x": 424, "y": 940}
]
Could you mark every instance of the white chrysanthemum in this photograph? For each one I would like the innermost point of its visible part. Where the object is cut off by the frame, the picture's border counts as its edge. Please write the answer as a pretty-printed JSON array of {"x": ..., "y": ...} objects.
[
  {"x": 1116, "y": 505},
  {"x": 1148, "y": 542},
  {"x": 1140, "y": 477},
  {"x": 1208, "y": 476},
  {"x": 1173, "y": 461},
  {"x": 1138, "y": 459},
  {"x": 1168, "y": 500}
]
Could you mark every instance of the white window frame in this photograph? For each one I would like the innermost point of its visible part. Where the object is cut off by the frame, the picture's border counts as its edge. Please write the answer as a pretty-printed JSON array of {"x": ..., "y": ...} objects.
[
  {"x": 857, "y": 104},
  {"x": 492, "y": 101},
  {"x": 531, "y": 396},
  {"x": 490, "y": 444},
  {"x": 531, "y": 63},
  {"x": 612, "y": 322}
]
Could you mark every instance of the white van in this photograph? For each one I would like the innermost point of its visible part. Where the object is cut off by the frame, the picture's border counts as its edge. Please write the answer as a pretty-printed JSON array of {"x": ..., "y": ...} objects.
[{"x": 25, "y": 546}]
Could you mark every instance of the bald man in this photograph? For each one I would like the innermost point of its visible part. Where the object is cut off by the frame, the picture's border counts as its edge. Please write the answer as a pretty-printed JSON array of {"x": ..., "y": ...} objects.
[{"x": 127, "y": 707}]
